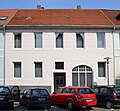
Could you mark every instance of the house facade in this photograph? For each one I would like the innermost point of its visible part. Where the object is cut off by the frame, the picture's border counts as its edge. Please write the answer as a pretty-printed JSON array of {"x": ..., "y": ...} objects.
[
  {"x": 114, "y": 17},
  {"x": 52, "y": 48}
]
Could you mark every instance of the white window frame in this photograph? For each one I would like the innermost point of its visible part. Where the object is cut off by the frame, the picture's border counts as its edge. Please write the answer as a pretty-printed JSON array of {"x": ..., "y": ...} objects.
[{"x": 104, "y": 42}]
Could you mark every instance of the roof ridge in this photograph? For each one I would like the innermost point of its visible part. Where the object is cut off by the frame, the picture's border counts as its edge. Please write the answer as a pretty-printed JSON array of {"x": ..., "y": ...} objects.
[{"x": 107, "y": 17}]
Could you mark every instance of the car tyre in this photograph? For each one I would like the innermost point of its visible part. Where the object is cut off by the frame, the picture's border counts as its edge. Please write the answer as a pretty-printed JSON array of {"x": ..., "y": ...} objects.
[
  {"x": 48, "y": 107},
  {"x": 28, "y": 106},
  {"x": 11, "y": 107},
  {"x": 89, "y": 107},
  {"x": 109, "y": 104},
  {"x": 70, "y": 105}
]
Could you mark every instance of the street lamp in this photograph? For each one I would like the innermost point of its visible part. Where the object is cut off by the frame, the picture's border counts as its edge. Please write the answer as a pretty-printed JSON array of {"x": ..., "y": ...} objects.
[{"x": 107, "y": 61}]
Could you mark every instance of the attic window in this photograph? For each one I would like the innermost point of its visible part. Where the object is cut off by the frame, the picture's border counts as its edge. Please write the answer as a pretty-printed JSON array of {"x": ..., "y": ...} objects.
[
  {"x": 118, "y": 17},
  {"x": 3, "y": 17}
]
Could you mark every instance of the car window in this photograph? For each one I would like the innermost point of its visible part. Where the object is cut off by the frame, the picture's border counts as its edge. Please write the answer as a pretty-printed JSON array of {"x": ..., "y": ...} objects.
[
  {"x": 4, "y": 90},
  {"x": 117, "y": 90},
  {"x": 85, "y": 91},
  {"x": 59, "y": 91},
  {"x": 65, "y": 90},
  {"x": 103, "y": 90},
  {"x": 38, "y": 92},
  {"x": 96, "y": 90},
  {"x": 72, "y": 91}
]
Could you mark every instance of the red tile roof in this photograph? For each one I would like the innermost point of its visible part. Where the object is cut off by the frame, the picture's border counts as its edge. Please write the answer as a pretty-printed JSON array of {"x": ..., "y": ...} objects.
[
  {"x": 60, "y": 17},
  {"x": 8, "y": 13},
  {"x": 112, "y": 14}
]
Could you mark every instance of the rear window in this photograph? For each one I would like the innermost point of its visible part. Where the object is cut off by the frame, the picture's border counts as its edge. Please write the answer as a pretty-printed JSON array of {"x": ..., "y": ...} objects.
[
  {"x": 4, "y": 90},
  {"x": 117, "y": 90},
  {"x": 85, "y": 91},
  {"x": 38, "y": 92}
]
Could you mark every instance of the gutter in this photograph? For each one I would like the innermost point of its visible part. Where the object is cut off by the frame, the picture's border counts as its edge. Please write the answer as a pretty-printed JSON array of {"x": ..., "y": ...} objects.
[{"x": 4, "y": 30}]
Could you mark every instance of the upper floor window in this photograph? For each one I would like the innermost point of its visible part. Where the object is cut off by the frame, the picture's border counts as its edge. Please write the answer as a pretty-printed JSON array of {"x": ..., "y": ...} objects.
[
  {"x": 38, "y": 40},
  {"x": 17, "y": 40},
  {"x": 59, "y": 40},
  {"x": 38, "y": 69},
  {"x": 100, "y": 40},
  {"x": 17, "y": 69},
  {"x": 80, "y": 40},
  {"x": 101, "y": 69}
]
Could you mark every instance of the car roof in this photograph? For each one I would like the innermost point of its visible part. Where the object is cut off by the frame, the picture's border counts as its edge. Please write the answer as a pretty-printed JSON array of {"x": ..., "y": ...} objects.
[{"x": 74, "y": 87}]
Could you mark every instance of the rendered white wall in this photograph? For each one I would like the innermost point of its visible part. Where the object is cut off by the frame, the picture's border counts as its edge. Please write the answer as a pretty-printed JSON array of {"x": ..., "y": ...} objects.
[{"x": 71, "y": 56}]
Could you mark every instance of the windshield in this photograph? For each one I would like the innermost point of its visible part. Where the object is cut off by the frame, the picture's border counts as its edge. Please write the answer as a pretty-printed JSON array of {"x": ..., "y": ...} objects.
[
  {"x": 85, "y": 91},
  {"x": 4, "y": 90},
  {"x": 39, "y": 92}
]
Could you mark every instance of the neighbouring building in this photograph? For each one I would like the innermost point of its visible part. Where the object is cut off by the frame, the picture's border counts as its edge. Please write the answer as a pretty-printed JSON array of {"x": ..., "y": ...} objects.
[
  {"x": 114, "y": 17},
  {"x": 57, "y": 47},
  {"x": 5, "y": 16}
]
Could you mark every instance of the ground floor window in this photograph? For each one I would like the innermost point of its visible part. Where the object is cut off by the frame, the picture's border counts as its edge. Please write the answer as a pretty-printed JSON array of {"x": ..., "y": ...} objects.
[{"x": 82, "y": 75}]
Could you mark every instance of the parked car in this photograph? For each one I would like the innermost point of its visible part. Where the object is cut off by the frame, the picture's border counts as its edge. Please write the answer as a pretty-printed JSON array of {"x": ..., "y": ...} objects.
[
  {"x": 74, "y": 97},
  {"x": 7, "y": 97},
  {"x": 109, "y": 96},
  {"x": 36, "y": 97}
]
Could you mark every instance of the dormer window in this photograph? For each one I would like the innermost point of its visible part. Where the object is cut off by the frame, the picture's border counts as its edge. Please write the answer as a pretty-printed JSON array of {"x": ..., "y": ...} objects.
[
  {"x": 3, "y": 17},
  {"x": 118, "y": 17}
]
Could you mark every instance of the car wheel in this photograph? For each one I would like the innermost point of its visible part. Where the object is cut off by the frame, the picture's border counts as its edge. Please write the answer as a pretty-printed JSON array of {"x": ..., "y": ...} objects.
[
  {"x": 11, "y": 107},
  {"x": 89, "y": 107},
  {"x": 70, "y": 105},
  {"x": 48, "y": 107},
  {"x": 109, "y": 104},
  {"x": 28, "y": 106}
]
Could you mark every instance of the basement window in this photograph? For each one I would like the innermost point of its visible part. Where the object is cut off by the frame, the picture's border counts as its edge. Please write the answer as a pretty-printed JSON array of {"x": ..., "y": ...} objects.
[{"x": 3, "y": 17}]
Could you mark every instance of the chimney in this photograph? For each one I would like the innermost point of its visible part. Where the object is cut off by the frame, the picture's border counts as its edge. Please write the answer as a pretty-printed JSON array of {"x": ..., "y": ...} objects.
[
  {"x": 39, "y": 7},
  {"x": 78, "y": 7}
]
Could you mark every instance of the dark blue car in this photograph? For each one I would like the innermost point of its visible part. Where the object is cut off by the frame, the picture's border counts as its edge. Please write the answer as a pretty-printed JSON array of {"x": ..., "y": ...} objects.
[
  {"x": 8, "y": 97},
  {"x": 36, "y": 97}
]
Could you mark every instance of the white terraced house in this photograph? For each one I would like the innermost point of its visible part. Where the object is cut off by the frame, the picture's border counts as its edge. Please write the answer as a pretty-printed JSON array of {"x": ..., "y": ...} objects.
[{"x": 51, "y": 48}]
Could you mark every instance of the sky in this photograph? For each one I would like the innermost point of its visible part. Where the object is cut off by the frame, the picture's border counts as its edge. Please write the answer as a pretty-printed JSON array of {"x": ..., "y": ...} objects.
[{"x": 60, "y": 4}]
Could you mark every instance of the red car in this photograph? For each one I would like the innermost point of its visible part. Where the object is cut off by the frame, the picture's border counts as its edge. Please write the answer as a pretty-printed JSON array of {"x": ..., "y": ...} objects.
[{"x": 74, "y": 97}]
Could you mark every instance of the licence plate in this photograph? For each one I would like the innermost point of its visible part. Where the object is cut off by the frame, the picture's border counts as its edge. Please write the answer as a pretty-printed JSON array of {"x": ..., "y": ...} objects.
[
  {"x": 41, "y": 99},
  {"x": 1, "y": 98},
  {"x": 89, "y": 100}
]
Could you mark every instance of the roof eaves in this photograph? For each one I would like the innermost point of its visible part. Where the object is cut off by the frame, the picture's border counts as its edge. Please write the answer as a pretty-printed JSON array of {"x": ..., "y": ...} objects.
[{"x": 62, "y": 26}]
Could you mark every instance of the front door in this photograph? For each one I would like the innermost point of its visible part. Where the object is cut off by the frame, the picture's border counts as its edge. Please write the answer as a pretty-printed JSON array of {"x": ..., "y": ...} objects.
[{"x": 59, "y": 80}]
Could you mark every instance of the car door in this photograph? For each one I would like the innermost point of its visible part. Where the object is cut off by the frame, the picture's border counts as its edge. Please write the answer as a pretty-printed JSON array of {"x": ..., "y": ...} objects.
[
  {"x": 25, "y": 96},
  {"x": 102, "y": 95},
  {"x": 56, "y": 96},
  {"x": 16, "y": 93}
]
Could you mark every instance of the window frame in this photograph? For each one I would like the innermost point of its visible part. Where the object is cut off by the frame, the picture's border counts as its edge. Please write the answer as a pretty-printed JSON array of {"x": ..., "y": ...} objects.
[
  {"x": 40, "y": 76},
  {"x": 61, "y": 41},
  {"x": 82, "y": 40},
  {"x": 14, "y": 70},
  {"x": 99, "y": 46},
  {"x": 36, "y": 42},
  {"x": 56, "y": 67},
  {"x": 16, "y": 46},
  {"x": 104, "y": 75}
]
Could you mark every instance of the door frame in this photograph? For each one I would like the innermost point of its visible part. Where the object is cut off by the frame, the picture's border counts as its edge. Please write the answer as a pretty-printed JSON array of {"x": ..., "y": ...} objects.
[{"x": 59, "y": 74}]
